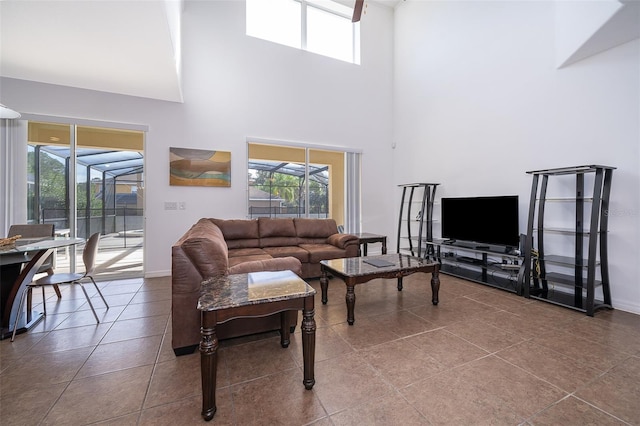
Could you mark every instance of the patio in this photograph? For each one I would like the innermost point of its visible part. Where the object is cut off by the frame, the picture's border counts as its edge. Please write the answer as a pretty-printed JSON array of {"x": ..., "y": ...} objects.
[{"x": 120, "y": 256}]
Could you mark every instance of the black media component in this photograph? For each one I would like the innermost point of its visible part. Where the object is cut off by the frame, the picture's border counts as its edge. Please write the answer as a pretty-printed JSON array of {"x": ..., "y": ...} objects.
[
  {"x": 482, "y": 220},
  {"x": 568, "y": 278},
  {"x": 415, "y": 230}
]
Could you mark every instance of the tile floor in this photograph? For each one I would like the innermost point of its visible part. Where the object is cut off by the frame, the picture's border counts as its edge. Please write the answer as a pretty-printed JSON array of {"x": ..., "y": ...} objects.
[{"x": 483, "y": 356}]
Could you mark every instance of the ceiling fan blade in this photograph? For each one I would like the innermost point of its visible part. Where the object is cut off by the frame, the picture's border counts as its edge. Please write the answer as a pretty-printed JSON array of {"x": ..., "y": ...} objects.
[{"x": 357, "y": 11}]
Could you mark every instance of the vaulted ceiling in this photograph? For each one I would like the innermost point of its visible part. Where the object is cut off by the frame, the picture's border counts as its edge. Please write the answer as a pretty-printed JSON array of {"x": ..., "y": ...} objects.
[
  {"x": 129, "y": 47},
  {"x": 124, "y": 47},
  {"x": 132, "y": 47}
]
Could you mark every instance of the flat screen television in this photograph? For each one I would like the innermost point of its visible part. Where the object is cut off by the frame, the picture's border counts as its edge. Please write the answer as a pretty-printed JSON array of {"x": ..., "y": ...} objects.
[{"x": 481, "y": 220}]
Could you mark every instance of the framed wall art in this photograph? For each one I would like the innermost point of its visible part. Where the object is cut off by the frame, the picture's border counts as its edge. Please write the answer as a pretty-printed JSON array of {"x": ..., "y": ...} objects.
[{"x": 199, "y": 167}]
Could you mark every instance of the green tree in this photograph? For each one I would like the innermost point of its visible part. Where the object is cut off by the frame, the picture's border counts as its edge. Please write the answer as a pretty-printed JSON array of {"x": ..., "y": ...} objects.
[
  {"x": 317, "y": 197},
  {"x": 52, "y": 177},
  {"x": 53, "y": 185},
  {"x": 280, "y": 185}
]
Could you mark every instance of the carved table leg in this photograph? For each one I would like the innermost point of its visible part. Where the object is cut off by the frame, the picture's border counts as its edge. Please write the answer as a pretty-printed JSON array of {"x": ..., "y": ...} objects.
[
  {"x": 208, "y": 363},
  {"x": 400, "y": 283},
  {"x": 351, "y": 303},
  {"x": 324, "y": 285},
  {"x": 284, "y": 329},
  {"x": 435, "y": 285},
  {"x": 308, "y": 342}
]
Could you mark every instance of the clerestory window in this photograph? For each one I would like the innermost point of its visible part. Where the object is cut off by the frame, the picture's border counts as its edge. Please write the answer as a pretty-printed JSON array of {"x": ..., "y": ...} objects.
[{"x": 319, "y": 26}]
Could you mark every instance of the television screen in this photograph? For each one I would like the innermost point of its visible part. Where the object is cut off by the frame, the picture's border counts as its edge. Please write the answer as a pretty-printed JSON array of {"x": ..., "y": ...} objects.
[{"x": 485, "y": 220}]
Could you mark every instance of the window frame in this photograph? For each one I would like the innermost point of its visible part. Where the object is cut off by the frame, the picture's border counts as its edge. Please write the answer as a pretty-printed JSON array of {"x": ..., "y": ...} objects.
[
  {"x": 304, "y": 5},
  {"x": 346, "y": 207}
]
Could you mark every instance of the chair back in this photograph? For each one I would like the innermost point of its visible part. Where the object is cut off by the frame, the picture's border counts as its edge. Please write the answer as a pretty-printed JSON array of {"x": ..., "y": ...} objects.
[
  {"x": 89, "y": 254},
  {"x": 36, "y": 230},
  {"x": 31, "y": 231}
]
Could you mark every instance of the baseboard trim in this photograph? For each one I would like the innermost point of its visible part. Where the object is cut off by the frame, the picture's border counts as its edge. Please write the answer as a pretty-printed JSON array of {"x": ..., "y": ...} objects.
[{"x": 157, "y": 274}]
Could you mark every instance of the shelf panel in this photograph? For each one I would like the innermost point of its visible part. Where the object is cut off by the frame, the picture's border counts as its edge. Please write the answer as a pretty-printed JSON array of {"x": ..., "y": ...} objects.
[
  {"x": 415, "y": 185},
  {"x": 565, "y": 199},
  {"x": 451, "y": 247},
  {"x": 492, "y": 267},
  {"x": 568, "y": 231},
  {"x": 569, "y": 280},
  {"x": 570, "y": 170},
  {"x": 502, "y": 282},
  {"x": 566, "y": 300},
  {"x": 415, "y": 239},
  {"x": 565, "y": 260},
  {"x": 407, "y": 250}
]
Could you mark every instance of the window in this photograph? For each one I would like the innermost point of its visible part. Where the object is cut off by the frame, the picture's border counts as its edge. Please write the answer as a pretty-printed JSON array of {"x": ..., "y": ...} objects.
[
  {"x": 296, "y": 181},
  {"x": 105, "y": 166},
  {"x": 320, "y": 26}
]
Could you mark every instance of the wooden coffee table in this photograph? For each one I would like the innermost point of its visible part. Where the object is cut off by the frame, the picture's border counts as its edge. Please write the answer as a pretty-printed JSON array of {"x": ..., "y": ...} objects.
[
  {"x": 358, "y": 270},
  {"x": 252, "y": 295}
]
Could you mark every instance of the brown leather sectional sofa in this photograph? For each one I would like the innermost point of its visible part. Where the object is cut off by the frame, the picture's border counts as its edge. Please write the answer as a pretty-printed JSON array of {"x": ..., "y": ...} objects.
[{"x": 218, "y": 246}]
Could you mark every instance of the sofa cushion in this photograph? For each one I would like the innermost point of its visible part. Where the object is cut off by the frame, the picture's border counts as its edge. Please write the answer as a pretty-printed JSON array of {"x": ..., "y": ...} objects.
[
  {"x": 276, "y": 227},
  {"x": 238, "y": 252},
  {"x": 239, "y": 233},
  {"x": 317, "y": 240},
  {"x": 279, "y": 264},
  {"x": 315, "y": 228},
  {"x": 277, "y": 232},
  {"x": 295, "y": 251},
  {"x": 238, "y": 229},
  {"x": 278, "y": 241},
  {"x": 318, "y": 252},
  {"x": 233, "y": 261}
]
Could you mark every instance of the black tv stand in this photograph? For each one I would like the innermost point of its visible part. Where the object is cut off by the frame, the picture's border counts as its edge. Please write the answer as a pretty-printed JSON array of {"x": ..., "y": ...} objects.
[
  {"x": 481, "y": 263},
  {"x": 467, "y": 259}
]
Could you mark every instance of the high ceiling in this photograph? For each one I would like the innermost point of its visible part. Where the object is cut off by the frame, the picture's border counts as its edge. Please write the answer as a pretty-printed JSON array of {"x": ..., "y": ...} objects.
[
  {"x": 124, "y": 47},
  {"x": 120, "y": 46},
  {"x": 131, "y": 47}
]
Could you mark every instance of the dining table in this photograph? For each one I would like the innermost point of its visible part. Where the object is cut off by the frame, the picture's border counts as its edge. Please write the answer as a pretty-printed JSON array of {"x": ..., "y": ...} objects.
[{"x": 19, "y": 262}]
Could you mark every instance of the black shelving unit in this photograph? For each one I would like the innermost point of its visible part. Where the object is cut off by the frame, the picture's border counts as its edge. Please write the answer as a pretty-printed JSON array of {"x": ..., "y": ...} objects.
[
  {"x": 569, "y": 279},
  {"x": 415, "y": 222}
]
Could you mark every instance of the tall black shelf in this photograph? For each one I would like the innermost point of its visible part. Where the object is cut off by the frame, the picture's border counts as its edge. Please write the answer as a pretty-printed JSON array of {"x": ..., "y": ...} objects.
[
  {"x": 568, "y": 279},
  {"x": 415, "y": 222}
]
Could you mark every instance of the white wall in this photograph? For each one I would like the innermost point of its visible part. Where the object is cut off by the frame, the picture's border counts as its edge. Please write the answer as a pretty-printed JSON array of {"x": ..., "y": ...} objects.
[
  {"x": 235, "y": 87},
  {"x": 479, "y": 101}
]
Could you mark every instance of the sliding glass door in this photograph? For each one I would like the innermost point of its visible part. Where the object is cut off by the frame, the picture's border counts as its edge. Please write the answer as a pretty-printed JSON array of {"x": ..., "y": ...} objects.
[
  {"x": 297, "y": 181},
  {"x": 86, "y": 179}
]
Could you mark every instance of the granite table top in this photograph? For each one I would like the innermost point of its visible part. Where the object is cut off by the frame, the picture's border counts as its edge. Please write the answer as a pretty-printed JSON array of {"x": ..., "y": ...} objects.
[
  {"x": 357, "y": 266},
  {"x": 229, "y": 291}
]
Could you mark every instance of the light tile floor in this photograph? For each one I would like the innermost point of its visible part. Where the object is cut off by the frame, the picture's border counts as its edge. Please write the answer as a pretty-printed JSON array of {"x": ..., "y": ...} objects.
[{"x": 482, "y": 356}]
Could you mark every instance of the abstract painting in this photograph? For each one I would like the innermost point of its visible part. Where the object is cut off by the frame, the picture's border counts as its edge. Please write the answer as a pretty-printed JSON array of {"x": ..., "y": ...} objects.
[{"x": 199, "y": 167}]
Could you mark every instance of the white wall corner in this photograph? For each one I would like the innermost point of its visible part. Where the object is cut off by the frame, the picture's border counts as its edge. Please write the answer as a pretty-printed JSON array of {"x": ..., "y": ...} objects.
[
  {"x": 585, "y": 28},
  {"x": 174, "y": 9}
]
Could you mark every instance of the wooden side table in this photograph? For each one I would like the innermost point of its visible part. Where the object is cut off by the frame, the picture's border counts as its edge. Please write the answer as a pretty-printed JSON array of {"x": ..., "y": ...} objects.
[
  {"x": 252, "y": 295},
  {"x": 366, "y": 238}
]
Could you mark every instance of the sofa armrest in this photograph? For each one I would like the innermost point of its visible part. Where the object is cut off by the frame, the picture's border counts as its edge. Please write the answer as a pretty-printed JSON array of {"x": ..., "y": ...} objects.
[{"x": 342, "y": 240}]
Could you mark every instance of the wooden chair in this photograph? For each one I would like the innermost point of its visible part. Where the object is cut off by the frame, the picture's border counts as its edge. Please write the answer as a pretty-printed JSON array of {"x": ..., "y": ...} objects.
[{"x": 89, "y": 259}]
